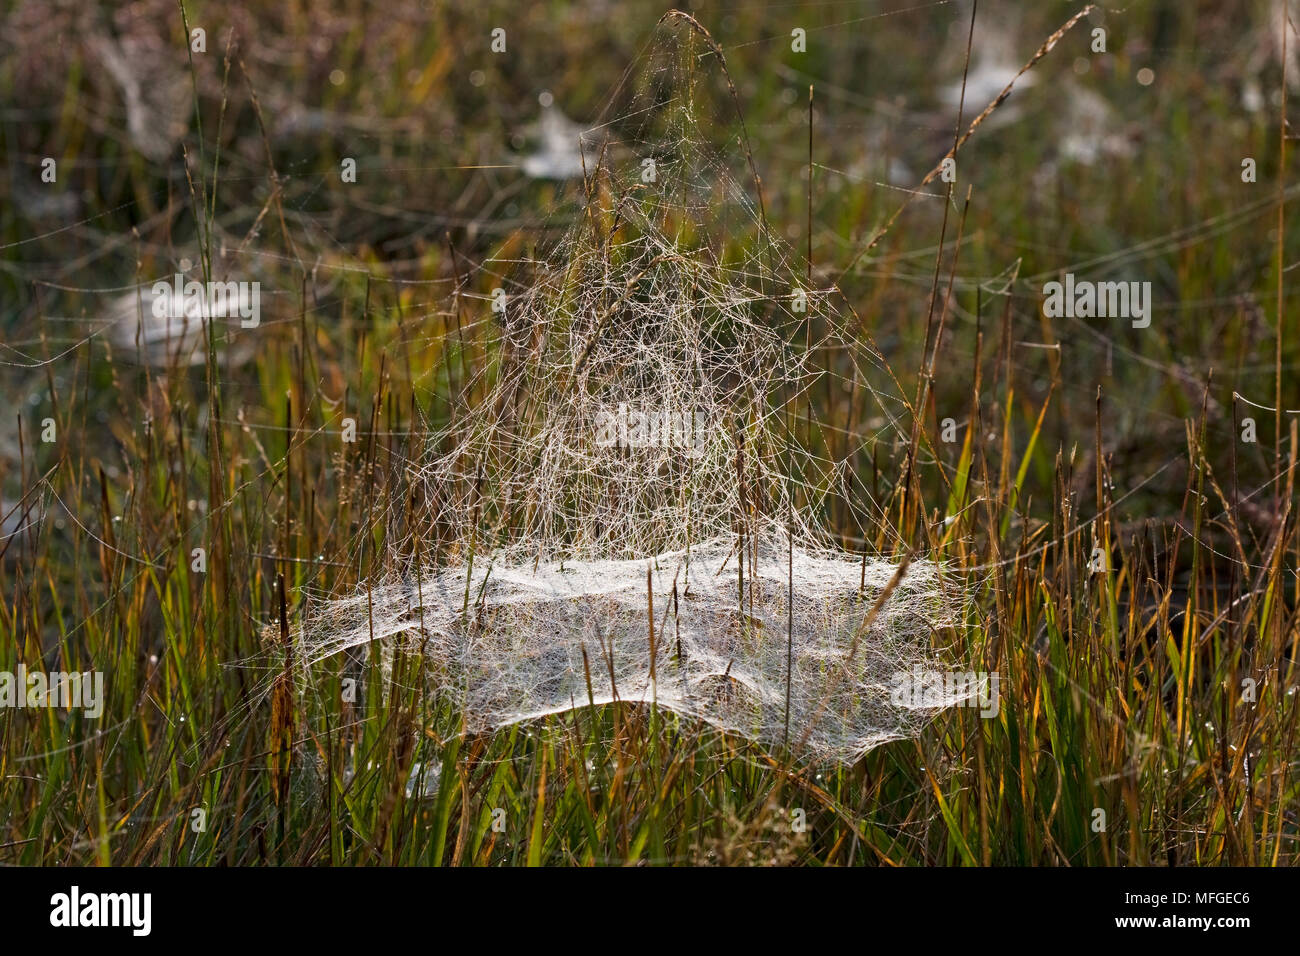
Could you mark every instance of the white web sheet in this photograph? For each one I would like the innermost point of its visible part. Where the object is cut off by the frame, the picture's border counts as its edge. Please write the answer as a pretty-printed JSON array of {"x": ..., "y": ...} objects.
[{"x": 537, "y": 641}]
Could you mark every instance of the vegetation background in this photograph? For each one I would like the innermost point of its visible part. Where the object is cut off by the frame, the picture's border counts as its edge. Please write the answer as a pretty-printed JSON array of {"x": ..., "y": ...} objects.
[{"x": 1156, "y": 695}]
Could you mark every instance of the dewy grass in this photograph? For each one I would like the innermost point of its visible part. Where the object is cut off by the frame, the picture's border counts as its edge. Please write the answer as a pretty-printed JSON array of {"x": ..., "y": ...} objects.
[{"x": 270, "y": 563}]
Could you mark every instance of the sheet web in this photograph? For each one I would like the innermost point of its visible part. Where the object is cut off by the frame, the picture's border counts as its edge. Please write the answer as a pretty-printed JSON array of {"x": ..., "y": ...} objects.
[{"x": 623, "y": 508}]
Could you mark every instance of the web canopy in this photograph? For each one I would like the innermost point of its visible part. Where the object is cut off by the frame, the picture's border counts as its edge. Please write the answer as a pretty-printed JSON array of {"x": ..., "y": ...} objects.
[{"x": 624, "y": 511}]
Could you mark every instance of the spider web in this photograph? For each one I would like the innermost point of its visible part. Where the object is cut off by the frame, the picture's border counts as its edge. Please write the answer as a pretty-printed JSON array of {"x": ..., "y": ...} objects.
[{"x": 622, "y": 508}]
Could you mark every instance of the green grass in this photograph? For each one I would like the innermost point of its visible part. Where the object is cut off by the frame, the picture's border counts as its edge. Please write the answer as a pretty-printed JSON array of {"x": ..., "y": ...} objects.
[{"x": 1121, "y": 689}]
